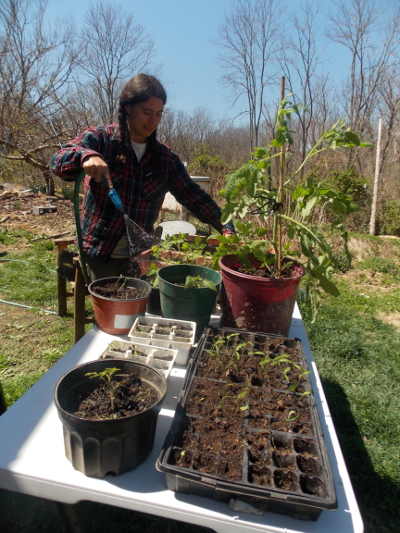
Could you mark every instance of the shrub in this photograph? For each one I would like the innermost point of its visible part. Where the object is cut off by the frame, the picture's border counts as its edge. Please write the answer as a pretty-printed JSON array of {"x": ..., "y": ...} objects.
[{"x": 388, "y": 220}]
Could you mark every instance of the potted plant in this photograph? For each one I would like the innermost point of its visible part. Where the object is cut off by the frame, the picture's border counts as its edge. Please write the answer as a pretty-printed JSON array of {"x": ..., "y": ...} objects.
[
  {"x": 109, "y": 413},
  {"x": 261, "y": 276},
  {"x": 188, "y": 292},
  {"x": 179, "y": 248},
  {"x": 117, "y": 301},
  {"x": 247, "y": 427}
]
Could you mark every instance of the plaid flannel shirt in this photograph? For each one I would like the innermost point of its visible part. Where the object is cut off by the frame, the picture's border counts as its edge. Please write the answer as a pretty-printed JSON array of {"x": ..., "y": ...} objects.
[{"x": 141, "y": 186}]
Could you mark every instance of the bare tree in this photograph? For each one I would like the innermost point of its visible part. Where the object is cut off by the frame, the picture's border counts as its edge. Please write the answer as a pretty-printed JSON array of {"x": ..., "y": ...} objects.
[
  {"x": 116, "y": 49},
  {"x": 370, "y": 30},
  {"x": 248, "y": 40},
  {"x": 36, "y": 64},
  {"x": 302, "y": 56}
]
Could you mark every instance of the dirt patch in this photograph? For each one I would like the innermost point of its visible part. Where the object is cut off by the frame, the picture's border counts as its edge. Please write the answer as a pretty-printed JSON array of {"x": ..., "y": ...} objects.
[
  {"x": 16, "y": 211},
  {"x": 393, "y": 319}
]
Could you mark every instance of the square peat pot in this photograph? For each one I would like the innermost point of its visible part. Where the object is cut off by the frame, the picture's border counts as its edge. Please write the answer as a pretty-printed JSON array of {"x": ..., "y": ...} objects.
[{"x": 247, "y": 427}]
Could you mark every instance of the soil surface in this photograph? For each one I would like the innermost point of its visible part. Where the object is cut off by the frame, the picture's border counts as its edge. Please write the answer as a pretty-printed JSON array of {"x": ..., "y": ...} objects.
[
  {"x": 119, "y": 291},
  {"x": 130, "y": 395}
]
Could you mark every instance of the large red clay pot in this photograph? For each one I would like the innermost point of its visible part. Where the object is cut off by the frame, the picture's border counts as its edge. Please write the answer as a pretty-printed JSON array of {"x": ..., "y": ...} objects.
[{"x": 255, "y": 303}]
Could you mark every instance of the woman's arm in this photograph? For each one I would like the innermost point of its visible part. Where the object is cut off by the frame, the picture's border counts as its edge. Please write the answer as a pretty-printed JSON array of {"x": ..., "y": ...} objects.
[
  {"x": 194, "y": 198},
  {"x": 88, "y": 151}
]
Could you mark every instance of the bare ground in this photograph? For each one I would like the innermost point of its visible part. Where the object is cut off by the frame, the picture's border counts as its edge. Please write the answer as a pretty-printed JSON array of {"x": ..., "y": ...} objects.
[{"x": 16, "y": 211}]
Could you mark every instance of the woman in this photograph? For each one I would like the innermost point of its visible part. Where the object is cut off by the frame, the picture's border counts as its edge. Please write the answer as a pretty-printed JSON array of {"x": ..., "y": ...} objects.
[{"x": 141, "y": 169}]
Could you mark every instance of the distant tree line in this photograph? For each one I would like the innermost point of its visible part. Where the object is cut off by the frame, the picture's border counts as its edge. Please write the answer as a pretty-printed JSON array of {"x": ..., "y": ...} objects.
[{"x": 54, "y": 83}]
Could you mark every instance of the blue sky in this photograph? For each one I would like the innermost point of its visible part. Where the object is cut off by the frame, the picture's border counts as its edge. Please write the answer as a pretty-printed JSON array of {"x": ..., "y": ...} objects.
[{"x": 182, "y": 31}]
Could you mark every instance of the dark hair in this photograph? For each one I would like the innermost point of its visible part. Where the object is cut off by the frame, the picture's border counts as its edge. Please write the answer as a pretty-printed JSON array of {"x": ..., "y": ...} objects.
[{"x": 139, "y": 89}]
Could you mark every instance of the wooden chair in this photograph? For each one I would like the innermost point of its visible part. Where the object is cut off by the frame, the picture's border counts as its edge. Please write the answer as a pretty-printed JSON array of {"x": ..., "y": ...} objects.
[{"x": 69, "y": 271}]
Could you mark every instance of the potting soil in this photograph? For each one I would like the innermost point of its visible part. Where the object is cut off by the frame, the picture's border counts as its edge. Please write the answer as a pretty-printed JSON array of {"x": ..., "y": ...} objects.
[{"x": 132, "y": 396}]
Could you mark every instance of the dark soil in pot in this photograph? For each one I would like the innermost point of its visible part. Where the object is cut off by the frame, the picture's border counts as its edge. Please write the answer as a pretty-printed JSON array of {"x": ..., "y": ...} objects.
[
  {"x": 118, "y": 290},
  {"x": 131, "y": 396}
]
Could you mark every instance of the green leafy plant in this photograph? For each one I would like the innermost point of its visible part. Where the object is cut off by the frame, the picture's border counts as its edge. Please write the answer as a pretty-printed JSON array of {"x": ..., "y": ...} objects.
[
  {"x": 152, "y": 275},
  {"x": 107, "y": 377},
  {"x": 291, "y": 207},
  {"x": 197, "y": 281},
  {"x": 179, "y": 249}
]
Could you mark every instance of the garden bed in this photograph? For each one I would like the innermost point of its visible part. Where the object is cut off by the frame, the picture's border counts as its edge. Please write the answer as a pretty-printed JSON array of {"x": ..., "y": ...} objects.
[{"x": 247, "y": 427}]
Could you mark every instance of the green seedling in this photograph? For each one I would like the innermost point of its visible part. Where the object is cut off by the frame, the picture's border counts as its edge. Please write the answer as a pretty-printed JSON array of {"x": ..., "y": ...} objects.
[
  {"x": 198, "y": 281},
  {"x": 292, "y": 416},
  {"x": 242, "y": 395},
  {"x": 106, "y": 376},
  {"x": 215, "y": 351},
  {"x": 224, "y": 395}
]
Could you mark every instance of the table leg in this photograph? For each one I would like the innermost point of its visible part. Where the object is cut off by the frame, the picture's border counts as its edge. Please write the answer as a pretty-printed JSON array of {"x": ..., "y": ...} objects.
[{"x": 67, "y": 513}]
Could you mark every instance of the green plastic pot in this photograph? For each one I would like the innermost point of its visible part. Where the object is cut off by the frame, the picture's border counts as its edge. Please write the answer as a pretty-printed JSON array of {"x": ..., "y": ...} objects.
[{"x": 195, "y": 304}]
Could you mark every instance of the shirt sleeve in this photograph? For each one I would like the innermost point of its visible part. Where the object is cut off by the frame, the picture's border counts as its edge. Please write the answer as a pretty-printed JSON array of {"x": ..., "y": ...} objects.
[
  {"x": 67, "y": 162},
  {"x": 194, "y": 198}
]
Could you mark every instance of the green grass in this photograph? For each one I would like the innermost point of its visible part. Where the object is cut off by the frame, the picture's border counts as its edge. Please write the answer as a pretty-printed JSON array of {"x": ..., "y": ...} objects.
[{"x": 358, "y": 358}]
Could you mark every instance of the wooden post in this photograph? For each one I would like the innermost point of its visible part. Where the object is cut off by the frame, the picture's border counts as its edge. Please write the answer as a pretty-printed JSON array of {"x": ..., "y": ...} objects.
[
  {"x": 280, "y": 195},
  {"x": 79, "y": 302},
  {"x": 372, "y": 224},
  {"x": 62, "y": 292}
]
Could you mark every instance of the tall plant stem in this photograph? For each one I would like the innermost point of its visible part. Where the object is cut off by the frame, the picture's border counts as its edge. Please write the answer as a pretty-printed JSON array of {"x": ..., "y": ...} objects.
[{"x": 280, "y": 191}]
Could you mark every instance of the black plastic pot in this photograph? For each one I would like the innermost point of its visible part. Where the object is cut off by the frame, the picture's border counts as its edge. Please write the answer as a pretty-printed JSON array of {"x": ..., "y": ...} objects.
[
  {"x": 100, "y": 447},
  {"x": 153, "y": 303}
]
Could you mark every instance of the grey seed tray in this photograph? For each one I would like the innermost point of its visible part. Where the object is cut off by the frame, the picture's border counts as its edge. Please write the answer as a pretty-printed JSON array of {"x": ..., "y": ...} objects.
[
  {"x": 166, "y": 333},
  {"x": 161, "y": 359},
  {"x": 270, "y": 457}
]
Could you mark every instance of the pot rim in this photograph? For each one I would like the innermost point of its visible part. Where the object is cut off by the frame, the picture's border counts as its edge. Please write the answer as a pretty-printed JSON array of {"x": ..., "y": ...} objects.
[
  {"x": 226, "y": 268},
  {"x": 110, "y": 362},
  {"x": 116, "y": 278},
  {"x": 202, "y": 267}
]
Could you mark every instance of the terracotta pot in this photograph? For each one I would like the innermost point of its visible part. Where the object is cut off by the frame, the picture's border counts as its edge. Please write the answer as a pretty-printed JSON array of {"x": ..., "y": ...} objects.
[
  {"x": 256, "y": 303},
  {"x": 117, "y": 316},
  {"x": 170, "y": 256},
  {"x": 144, "y": 261}
]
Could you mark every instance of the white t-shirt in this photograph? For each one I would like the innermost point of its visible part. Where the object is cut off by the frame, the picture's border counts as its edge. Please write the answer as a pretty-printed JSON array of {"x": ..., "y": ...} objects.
[
  {"x": 122, "y": 248},
  {"x": 139, "y": 149}
]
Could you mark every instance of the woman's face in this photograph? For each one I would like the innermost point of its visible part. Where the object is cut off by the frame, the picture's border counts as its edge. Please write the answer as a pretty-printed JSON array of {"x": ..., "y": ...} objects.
[{"x": 143, "y": 118}]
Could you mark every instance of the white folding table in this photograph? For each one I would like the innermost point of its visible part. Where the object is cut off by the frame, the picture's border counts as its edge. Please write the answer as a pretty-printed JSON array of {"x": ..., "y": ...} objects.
[{"x": 32, "y": 459}]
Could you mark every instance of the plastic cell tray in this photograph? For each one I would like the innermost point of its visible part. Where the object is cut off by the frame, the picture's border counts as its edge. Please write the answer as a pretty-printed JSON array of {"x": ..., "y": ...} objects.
[
  {"x": 301, "y": 458},
  {"x": 162, "y": 359},
  {"x": 166, "y": 333}
]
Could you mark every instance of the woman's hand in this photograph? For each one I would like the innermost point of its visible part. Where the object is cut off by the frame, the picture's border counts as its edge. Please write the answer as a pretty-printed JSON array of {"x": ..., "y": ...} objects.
[{"x": 96, "y": 167}]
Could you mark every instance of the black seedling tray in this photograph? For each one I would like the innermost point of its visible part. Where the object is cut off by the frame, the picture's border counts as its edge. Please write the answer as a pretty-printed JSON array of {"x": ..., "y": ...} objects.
[{"x": 296, "y": 454}]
